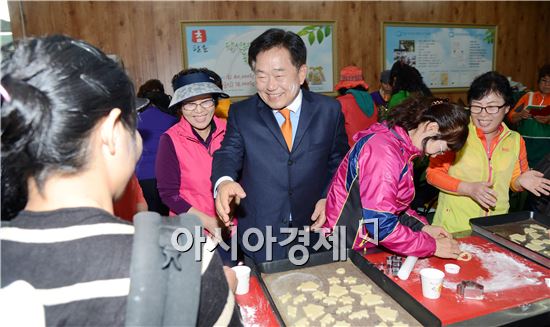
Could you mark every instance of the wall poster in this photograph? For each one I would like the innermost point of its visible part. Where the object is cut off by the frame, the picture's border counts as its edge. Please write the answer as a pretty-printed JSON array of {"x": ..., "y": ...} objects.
[
  {"x": 223, "y": 48},
  {"x": 449, "y": 56}
]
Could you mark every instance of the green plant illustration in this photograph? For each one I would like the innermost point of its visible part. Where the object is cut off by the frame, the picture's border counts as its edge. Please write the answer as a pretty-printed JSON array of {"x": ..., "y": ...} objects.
[
  {"x": 238, "y": 47},
  {"x": 489, "y": 36},
  {"x": 315, "y": 33}
]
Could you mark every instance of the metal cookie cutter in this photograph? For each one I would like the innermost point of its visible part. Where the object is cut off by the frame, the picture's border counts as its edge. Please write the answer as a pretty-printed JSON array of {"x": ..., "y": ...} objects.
[
  {"x": 468, "y": 289},
  {"x": 393, "y": 264}
]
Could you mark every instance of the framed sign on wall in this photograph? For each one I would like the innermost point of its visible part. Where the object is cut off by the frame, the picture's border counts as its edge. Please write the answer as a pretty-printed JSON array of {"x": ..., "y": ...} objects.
[
  {"x": 223, "y": 48},
  {"x": 449, "y": 56}
]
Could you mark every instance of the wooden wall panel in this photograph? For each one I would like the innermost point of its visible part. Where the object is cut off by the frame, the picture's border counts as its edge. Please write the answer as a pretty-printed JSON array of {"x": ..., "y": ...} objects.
[{"x": 147, "y": 34}]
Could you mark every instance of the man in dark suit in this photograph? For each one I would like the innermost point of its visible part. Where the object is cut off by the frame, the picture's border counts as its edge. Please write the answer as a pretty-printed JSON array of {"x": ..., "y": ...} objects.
[{"x": 281, "y": 148}]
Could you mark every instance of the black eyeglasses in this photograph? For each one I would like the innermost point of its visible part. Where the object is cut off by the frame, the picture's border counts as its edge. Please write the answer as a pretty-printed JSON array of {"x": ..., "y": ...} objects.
[
  {"x": 206, "y": 104},
  {"x": 489, "y": 109}
]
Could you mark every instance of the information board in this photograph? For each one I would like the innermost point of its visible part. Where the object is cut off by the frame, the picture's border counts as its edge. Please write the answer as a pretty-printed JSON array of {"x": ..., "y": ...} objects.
[
  {"x": 448, "y": 56},
  {"x": 223, "y": 48}
]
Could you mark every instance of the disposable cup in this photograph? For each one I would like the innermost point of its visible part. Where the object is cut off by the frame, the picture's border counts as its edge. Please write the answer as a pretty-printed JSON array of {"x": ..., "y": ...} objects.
[
  {"x": 432, "y": 281},
  {"x": 243, "y": 279}
]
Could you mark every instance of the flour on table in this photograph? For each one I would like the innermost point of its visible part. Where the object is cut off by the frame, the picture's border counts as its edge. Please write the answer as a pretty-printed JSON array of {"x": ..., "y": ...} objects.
[{"x": 504, "y": 271}]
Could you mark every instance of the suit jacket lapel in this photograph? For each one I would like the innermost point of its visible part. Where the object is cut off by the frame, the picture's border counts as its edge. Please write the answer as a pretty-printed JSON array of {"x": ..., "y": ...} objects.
[
  {"x": 306, "y": 116},
  {"x": 266, "y": 114}
]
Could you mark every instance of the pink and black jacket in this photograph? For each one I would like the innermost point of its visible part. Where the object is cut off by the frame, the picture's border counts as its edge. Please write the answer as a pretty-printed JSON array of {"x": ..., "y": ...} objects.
[{"x": 375, "y": 182}]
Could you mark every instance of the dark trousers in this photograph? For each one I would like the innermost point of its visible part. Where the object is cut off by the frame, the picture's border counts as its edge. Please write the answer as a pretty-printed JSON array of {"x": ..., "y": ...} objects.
[{"x": 152, "y": 197}]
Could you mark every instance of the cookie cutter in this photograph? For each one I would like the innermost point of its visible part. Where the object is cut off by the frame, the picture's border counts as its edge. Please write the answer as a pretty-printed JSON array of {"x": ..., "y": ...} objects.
[
  {"x": 468, "y": 289},
  {"x": 393, "y": 264}
]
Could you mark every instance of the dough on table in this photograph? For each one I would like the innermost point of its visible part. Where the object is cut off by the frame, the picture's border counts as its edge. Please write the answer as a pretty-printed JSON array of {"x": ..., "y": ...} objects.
[
  {"x": 302, "y": 322},
  {"x": 529, "y": 230},
  {"x": 537, "y": 242},
  {"x": 337, "y": 291},
  {"x": 299, "y": 299},
  {"x": 292, "y": 311},
  {"x": 346, "y": 299},
  {"x": 284, "y": 298},
  {"x": 535, "y": 235},
  {"x": 535, "y": 226},
  {"x": 361, "y": 289},
  {"x": 385, "y": 313},
  {"x": 327, "y": 320},
  {"x": 318, "y": 295},
  {"x": 341, "y": 324},
  {"x": 464, "y": 256},
  {"x": 308, "y": 286},
  {"x": 382, "y": 324},
  {"x": 518, "y": 237},
  {"x": 350, "y": 280},
  {"x": 400, "y": 324},
  {"x": 344, "y": 309},
  {"x": 371, "y": 299},
  {"x": 359, "y": 315},
  {"x": 334, "y": 280},
  {"x": 330, "y": 300},
  {"x": 534, "y": 247},
  {"x": 314, "y": 311},
  {"x": 340, "y": 271}
]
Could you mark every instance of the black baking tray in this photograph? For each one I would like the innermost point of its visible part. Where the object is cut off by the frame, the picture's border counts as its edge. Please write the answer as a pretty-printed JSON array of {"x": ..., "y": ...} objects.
[
  {"x": 489, "y": 227},
  {"x": 409, "y": 303}
]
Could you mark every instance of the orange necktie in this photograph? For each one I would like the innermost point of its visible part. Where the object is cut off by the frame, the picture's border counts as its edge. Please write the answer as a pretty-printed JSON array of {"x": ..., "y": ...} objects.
[{"x": 286, "y": 127}]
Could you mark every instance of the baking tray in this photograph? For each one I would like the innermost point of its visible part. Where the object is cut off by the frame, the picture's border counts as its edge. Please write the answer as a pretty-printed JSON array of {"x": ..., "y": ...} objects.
[
  {"x": 395, "y": 293},
  {"x": 496, "y": 228}
]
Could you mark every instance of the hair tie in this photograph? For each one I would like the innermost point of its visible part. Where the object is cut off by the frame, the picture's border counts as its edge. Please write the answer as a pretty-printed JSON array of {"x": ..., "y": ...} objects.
[
  {"x": 439, "y": 101},
  {"x": 4, "y": 93}
]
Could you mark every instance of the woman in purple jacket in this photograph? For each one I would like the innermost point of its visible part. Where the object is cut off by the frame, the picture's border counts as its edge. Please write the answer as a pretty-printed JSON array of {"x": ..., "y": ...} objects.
[{"x": 374, "y": 183}]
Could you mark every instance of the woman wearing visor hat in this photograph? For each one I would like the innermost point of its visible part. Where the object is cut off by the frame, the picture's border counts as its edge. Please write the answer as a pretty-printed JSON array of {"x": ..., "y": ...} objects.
[{"x": 184, "y": 158}]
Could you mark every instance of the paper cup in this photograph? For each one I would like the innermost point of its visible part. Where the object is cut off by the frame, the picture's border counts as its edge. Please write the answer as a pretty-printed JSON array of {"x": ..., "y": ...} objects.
[
  {"x": 243, "y": 279},
  {"x": 432, "y": 281},
  {"x": 451, "y": 268}
]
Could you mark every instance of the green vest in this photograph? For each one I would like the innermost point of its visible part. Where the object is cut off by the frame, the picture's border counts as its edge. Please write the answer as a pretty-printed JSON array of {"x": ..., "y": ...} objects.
[{"x": 472, "y": 164}]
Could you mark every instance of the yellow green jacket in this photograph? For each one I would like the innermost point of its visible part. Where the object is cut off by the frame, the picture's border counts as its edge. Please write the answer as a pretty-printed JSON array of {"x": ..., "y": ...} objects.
[{"x": 474, "y": 164}]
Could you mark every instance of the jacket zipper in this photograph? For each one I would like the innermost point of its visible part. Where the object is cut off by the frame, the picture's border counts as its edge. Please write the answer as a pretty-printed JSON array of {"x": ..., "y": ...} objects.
[{"x": 489, "y": 157}]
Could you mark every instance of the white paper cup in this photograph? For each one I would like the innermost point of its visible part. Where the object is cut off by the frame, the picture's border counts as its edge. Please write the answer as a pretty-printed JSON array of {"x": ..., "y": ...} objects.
[
  {"x": 432, "y": 281},
  {"x": 451, "y": 268},
  {"x": 243, "y": 279}
]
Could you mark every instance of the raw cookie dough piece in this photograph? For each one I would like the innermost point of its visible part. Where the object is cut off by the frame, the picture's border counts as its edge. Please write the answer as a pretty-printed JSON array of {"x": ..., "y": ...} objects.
[
  {"x": 371, "y": 299},
  {"x": 334, "y": 280},
  {"x": 382, "y": 324},
  {"x": 341, "y": 324},
  {"x": 340, "y": 271},
  {"x": 346, "y": 299},
  {"x": 400, "y": 324},
  {"x": 350, "y": 280},
  {"x": 292, "y": 311},
  {"x": 529, "y": 230},
  {"x": 344, "y": 309},
  {"x": 464, "y": 256},
  {"x": 537, "y": 242},
  {"x": 359, "y": 315},
  {"x": 308, "y": 286},
  {"x": 535, "y": 226},
  {"x": 299, "y": 299},
  {"x": 330, "y": 300},
  {"x": 314, "y": 311},
  {"x": 386, "y": 314},
  {"x": 284, "y": 298},
  {"x": 361, "y": 289},
  {"x": 534, "y": 247},
  {"x": 337, "y": 291},
  {"x": 302, "y": 323},
  {"x": 518, "y": 237},
  {"x": 535, "y": 235},
  {"x": 318, "y": 295},
  {"x": 327, "y": 320}
]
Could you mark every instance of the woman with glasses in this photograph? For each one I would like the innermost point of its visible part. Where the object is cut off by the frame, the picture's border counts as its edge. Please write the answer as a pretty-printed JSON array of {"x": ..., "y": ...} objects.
[
  {"x": 374, "y": 183},
  {"x": 184, "y": 158},
  {"x": 532, "y": 118},
  {"x": 475, "y": 180}
]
